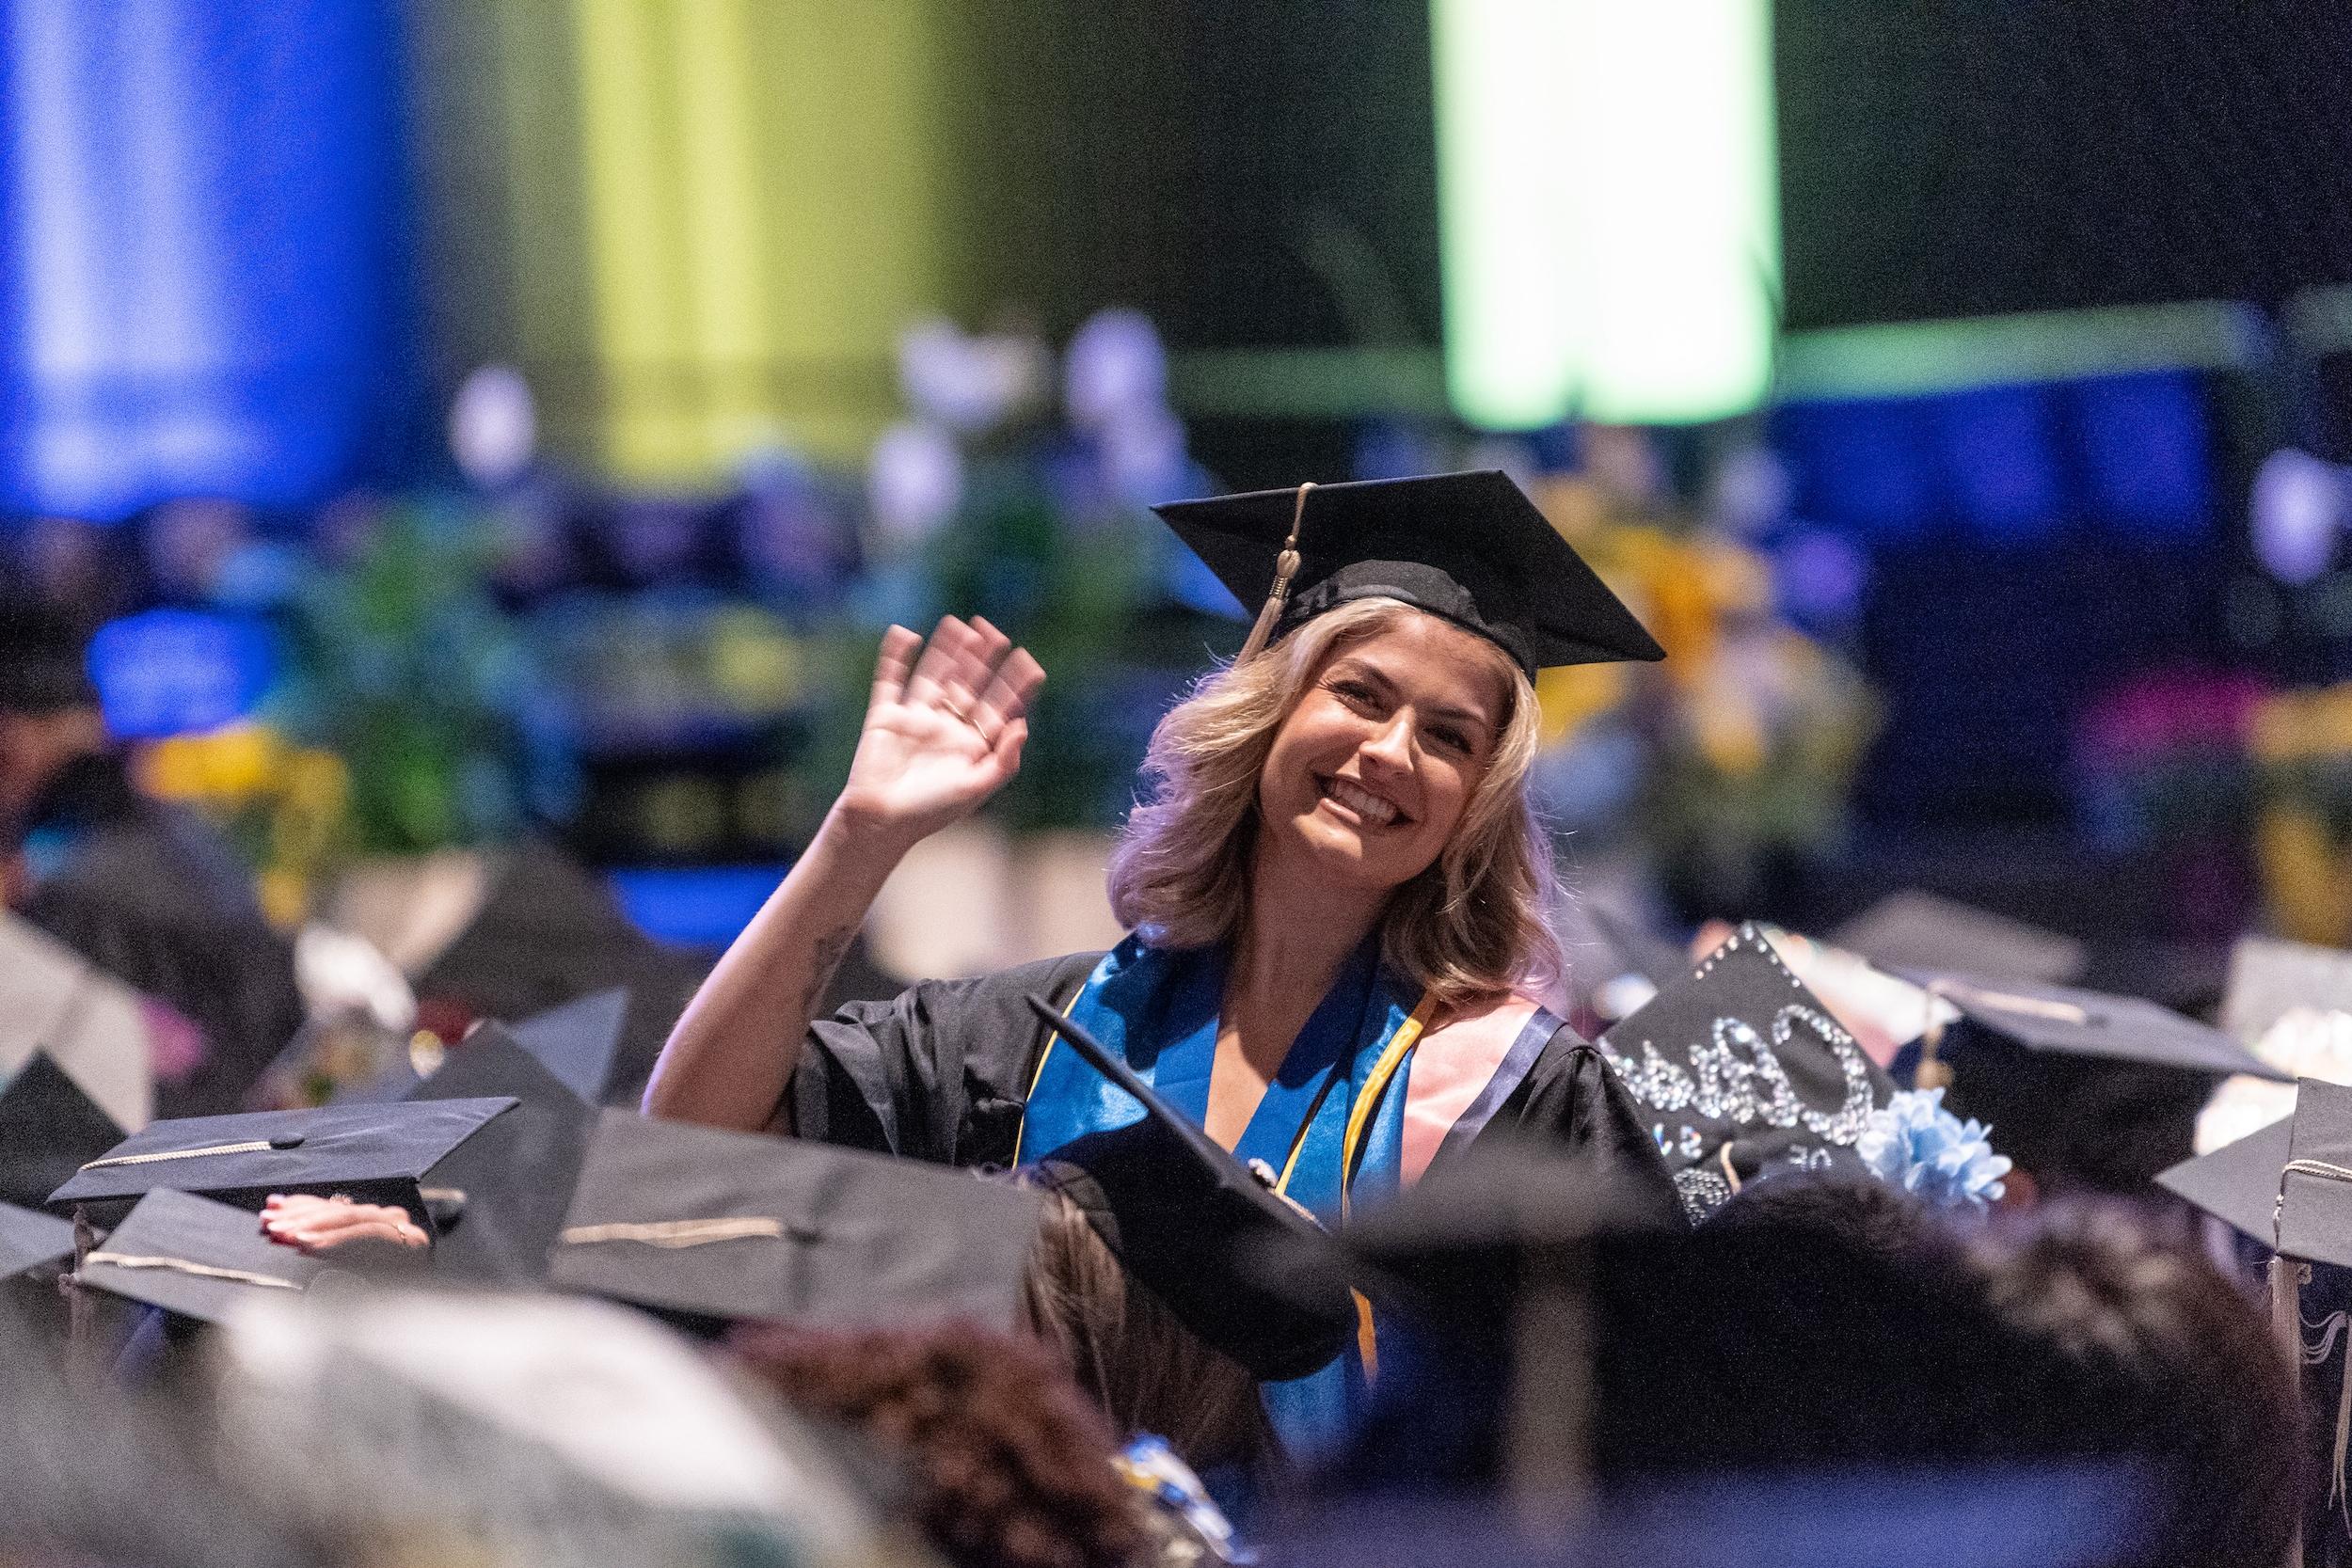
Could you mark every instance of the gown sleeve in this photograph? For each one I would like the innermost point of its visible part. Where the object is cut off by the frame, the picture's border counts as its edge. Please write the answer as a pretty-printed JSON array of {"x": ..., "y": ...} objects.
[
  {"x": 940, "y": 1072},
  {"x": 1572, "y": 1097}
]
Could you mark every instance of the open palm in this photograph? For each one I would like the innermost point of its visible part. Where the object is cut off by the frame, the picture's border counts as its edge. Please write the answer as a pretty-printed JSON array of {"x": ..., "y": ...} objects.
[{"x": 943, "y": 728}]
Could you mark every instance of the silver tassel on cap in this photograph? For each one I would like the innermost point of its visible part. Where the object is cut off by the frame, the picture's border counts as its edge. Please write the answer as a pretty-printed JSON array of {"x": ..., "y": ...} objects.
[{"x": 1285, "y": 567}]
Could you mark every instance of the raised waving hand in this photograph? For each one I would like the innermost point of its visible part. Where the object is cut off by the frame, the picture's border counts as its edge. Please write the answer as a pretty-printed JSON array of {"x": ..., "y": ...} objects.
[{"x": 943, "y": 728}]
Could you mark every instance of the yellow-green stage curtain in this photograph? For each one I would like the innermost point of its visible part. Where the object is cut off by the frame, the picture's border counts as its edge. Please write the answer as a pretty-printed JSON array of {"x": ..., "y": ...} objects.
[{"x": 697, "y": 225}]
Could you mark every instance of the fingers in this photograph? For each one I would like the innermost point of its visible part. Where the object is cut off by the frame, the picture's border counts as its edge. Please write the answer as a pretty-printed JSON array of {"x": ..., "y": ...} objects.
[
  {"x": 1013, "y": 688},
  {"x": 971, "y": 670},
  {"x": 969, "y": 673},
  {"x": 939, "y": 658},
  {"x": 1005, "y": 754},
  {"x": 315, "y": 1223},
  {"x": 893, "y": 666}
]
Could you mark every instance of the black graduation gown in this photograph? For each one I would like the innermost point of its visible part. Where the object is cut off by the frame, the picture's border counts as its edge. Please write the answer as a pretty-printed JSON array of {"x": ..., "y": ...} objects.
[{"x": 942, "y": 1071}]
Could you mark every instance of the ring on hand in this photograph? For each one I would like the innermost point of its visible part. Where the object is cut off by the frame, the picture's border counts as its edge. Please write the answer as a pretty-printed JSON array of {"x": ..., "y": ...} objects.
[{"x": 956, "y": 708}]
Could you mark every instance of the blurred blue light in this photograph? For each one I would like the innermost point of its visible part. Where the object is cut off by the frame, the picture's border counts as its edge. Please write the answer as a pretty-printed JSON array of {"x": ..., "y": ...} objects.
[
  {"x": 2127, "y": 453},
  {"x": 199, "y": 248},
  {"x": 2147, "y": 450},
  {"x": 1998, "y": 451},
  {"x": 1861, "y": 465},
  {"x": 180, "y": 672},
  {"x": 694, "y": 905}
]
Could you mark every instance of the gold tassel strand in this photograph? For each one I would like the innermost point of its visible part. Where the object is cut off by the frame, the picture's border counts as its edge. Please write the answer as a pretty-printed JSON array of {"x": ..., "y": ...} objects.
[{"x": 1285, "y": 567}]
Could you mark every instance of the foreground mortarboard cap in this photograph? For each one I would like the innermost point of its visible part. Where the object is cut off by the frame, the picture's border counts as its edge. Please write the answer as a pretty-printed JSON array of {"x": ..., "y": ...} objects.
[
  {"x": 1196, "y": 1227},
  {"x": 483, "y": 1428},
  {"x": 2270, "y": 978},
  {"x": 500, "y": 1197},
  {"x": 1919, "y": 930},
  {"x": 736, "y": 1224},
  {"x": 194, "y": 1256},
  {"x": 48, "y": 1128},
  {"x": 1462, "y": 1241},
  {"x": 1470, "y": 547},
  {"x": 372, "y": 1153},
  {"x": 1742, "y": 1074},
  {"x": 2288, "y": 1186},
  {"x": 29, "y": 1239},
  {"x": 2086, "y": 1023}
]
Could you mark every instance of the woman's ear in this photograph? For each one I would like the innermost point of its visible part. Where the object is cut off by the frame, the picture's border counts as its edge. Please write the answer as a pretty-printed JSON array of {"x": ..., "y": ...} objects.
[{"x": 2020, "y": 1192}]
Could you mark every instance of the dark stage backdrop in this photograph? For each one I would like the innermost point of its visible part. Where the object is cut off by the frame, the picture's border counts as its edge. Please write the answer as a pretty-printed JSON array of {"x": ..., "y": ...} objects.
[{"x": 1957, "y": 158}]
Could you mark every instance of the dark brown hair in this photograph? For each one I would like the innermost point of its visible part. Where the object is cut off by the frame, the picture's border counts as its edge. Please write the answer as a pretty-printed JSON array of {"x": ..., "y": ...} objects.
[{"x": 1013, "y": 1466}]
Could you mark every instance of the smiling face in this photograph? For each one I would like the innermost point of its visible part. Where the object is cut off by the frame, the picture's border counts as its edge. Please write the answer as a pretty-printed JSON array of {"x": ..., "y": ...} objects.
[{"x": 1369, "y": 773}]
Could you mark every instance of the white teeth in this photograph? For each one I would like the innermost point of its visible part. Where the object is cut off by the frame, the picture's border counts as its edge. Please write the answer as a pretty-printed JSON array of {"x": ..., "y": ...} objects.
[{"x": 1364, "y": 804}]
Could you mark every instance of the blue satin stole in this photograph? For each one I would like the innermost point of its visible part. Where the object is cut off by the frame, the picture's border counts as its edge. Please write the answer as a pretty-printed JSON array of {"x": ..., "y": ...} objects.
[{"x": 1159, "y": 1009}]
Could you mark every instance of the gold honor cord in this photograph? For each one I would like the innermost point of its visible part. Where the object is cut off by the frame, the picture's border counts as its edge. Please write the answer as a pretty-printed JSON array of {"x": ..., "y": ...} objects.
[
  {"x": 182, "y": 1265},
  {"x": 675, "y": 1233},
  {"x": 1285, "y": 567},
  {"x": 256, "y": 1145}
]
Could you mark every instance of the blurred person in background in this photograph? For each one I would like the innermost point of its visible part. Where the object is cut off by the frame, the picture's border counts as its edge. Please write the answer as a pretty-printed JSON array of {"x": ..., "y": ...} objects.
[
  {"x": 1007, "y": 1466},
  {"x": 1337, "y": 886},
  {"x": 144, "y": 890}
]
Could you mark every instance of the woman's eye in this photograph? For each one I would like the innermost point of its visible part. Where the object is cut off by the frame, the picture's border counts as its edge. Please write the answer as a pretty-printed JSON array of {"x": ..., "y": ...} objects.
[
  {"x": 1354, "y": 693},
  {"x": 1453, "y": 740}
]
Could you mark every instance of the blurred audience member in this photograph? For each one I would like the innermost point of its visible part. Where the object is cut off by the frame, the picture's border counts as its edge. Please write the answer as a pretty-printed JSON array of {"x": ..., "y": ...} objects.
[
  {"x": 1011, "y": 1467},
  {"x": 2144, "y": 1353}
]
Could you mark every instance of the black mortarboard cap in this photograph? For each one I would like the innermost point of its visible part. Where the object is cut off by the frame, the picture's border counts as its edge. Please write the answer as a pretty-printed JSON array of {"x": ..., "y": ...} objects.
[
  {"x": 1738, "y": 1055},
  {"x": 192, "y": 1256},
  {"x": 579, "y": 1040},
  {"x": 735, "y": 1224},
  {"x": 371, "y": 1153},
  {"x": 500, "y": 1197},
  {"x": 2237, "y": 1183},
  {"x": 1469, "y": 546},
  {"x": 1913, "y": 929},
  {"x": 2288, "y": 1186},
  {"x": 29, "y": 1239},
  {"x": 2085, "y": 1024},
  {"x": 1196, "y": 1227},
  {"x": 48, "y": 1128},
  {"x": 2270, "y": 977},
  {"x": 2315, "y": 1187},
  {"x": 549, "y": 933}
]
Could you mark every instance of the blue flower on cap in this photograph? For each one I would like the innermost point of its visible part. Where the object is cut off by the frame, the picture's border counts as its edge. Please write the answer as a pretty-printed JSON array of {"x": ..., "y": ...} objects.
[{"x": 1913, "y": 1143}]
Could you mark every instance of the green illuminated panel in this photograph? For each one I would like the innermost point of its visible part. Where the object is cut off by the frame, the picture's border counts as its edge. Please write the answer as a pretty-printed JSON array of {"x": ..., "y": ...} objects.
[{"x": 1611, "y": 231}]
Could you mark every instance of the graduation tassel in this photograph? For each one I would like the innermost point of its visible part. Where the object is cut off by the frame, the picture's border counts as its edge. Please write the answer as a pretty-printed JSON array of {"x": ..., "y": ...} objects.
[
  {"x": 1933, "y": 1072},
  {"x": 1285, "y": 567},
  {"x": 2286, "y": 1323}
]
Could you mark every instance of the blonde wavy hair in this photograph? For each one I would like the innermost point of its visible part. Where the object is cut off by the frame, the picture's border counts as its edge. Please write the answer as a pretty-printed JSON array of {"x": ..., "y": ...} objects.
[{"x": 1471, "y": 928}]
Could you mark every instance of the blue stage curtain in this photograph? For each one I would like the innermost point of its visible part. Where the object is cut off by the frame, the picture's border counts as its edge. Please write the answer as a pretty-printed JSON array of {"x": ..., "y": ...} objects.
[{"x": 202, "y": 250}]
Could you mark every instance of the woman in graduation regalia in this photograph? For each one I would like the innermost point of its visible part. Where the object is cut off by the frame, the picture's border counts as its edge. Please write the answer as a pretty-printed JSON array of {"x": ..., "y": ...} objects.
[{"x": 1336, "y": 887}]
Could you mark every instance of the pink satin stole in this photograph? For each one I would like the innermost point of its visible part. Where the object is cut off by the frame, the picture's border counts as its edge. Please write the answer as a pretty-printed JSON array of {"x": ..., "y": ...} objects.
[{"x": 1450, "y": 1067}]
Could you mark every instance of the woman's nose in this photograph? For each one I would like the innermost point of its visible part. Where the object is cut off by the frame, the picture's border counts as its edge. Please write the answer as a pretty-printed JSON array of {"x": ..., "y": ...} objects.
[{"x": 1393, "y": 743}]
